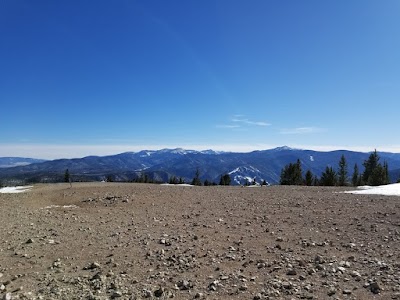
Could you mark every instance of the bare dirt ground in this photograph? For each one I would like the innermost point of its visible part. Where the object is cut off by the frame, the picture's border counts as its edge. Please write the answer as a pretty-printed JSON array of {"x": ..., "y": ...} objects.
[{"x": 138, "y": 241}]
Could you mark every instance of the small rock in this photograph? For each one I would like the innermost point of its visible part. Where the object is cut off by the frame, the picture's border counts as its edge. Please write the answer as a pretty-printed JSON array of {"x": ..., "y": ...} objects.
[
  {"x": 243, "y": 288},
  {"x": 341, "y": 269},
  {"x": 375, "y": 288},
  {"x": 198, "y": 295},
  {"x": 184, "y": 285},
  {"x": 346, "y": 292},
  {"x": 291, "y": 272},
  {"x": 159, "y": 292},
  {"x": 116, "y": 294},
  {"x": 331, "y": 291},
  {"x": 92, "y": 266},
  {"x": 355, "y": 274},
  {"x": 30, "y": 241},
  {"x": 257, "y": 296},
  {"x": 7, "y": 296}
]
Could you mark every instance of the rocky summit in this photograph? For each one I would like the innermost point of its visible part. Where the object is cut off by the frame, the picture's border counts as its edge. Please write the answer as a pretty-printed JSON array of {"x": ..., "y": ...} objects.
[{"x": 141, "y": 241}]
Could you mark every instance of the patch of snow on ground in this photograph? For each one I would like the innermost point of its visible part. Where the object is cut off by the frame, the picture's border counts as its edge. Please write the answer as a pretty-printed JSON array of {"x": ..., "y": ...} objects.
[
  {"x": 15, "y": 189},
  {"x": 387, "y": 190},
  {"x": 57, "y": 206},
  {"x": 180, "y": 184}
]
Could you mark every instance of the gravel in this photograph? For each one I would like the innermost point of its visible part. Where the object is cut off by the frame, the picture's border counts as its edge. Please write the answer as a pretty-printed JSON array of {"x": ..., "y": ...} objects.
[{"x": 138, "y": 241}]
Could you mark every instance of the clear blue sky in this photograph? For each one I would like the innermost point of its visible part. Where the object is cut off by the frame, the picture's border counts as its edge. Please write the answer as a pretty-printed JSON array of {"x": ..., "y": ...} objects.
[{"x": 102, "y": 77}]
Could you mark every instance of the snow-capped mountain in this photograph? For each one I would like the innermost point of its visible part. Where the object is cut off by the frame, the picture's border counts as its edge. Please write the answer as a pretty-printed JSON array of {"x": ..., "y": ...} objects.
[
  {"x": 246, "y": 175},
  {"x": 160, "y": 165}
]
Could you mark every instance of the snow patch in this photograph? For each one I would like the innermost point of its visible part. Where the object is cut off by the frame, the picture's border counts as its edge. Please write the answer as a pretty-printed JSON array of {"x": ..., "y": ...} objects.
[
  {"x": 15, "y": 189},
  {"x": 311, "y": 158},
  {"x": 182, "y": 184},
  {"x": 57, "y": 206},
  {"x": 387, "y": 190}
]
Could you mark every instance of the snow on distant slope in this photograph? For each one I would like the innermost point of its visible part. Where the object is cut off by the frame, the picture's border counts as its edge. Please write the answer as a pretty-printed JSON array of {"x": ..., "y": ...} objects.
[
  {"x": 387, "y": 190},
  {"x": 244, "y": 174},
  {"x": 15, "y": 189}
]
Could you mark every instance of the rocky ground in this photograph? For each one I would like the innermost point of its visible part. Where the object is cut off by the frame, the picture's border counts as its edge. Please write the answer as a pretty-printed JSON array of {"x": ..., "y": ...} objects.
[{"x": 138, "y": 241}]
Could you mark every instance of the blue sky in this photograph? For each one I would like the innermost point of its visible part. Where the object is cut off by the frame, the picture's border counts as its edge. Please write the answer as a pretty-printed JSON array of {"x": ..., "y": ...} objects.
[{"x": 103, "y": 77}]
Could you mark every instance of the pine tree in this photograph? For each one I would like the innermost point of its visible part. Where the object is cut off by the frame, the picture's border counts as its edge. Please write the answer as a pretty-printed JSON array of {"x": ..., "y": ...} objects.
[
  {"x": 309, "y": 178},
  {"x": 386, "y": 170},
  {"x": 225, "y": 180},
  {"x": 375, "y": 173},
  {"x": 67, "y": 176},
  {"x": 342, "y": 174},
  {"x": 354, "y": 179},
  {"x": 329, "y": 177},
  {"x": 370, "y": 164},
  {"x": 196, "y": 180},
  {"x": 173, "y": 180},
  {"x": 291, "y": 174}
]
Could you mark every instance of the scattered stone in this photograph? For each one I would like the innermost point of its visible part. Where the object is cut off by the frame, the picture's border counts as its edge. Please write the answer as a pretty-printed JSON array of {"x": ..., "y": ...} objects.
[
  {"x": 331, "y": 291},
  {"x": 375, "y": 288},
  {"x": 257, "y": 296},
  {"x": 291, "y": 272},
  {"x": 116, "y": 294},
  {"x": 7, "y": 296},
  {"x": 159, "y": 292},
  {"x": 198, "y": 295},
  {"x": 92, "y": 266}
]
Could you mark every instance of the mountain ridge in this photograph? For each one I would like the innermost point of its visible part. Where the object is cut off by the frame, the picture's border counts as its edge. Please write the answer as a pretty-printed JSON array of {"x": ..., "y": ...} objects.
[{"x": 161, "y": 164}]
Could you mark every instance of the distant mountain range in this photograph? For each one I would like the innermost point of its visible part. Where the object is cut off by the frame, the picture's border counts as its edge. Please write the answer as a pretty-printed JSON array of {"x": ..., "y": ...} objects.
[
  {"x": 160, "y": 165},
  {"x": 8, "y": 162}
]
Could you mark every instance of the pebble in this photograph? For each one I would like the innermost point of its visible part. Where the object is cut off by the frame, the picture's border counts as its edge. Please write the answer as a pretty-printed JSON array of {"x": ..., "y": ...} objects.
[
  {"x": 375, "y": 288},
  {"x": 7, "y": 296}
]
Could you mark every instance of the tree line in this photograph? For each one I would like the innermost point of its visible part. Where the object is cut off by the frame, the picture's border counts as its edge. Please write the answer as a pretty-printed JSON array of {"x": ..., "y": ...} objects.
[{"x": 374, "y": 174}]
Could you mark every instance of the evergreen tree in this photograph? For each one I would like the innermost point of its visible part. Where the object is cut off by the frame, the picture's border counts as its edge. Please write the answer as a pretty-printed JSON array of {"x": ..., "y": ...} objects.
[
  {"x": 291, "y": 174},
  {"x": 264, "y": 182},
  {"x": 386, "y": 170},
  {"x": 375, "y": 173},
  {"x": 342, "y": 174},
  {"x": 206, "y": 182},
  {"x": 355, "y": 178},
  {"x": 181, "y": 181},
  {"x": 329, "y": 177},
  {"x": 173, "y": 180},
  {"x": 225, "y": 180},
  {"x": 67, "y": 176},
  {"x": 309, "y": 178},
  {"x": 370, "y": 164},
  {"x": 196, "y": 180}
]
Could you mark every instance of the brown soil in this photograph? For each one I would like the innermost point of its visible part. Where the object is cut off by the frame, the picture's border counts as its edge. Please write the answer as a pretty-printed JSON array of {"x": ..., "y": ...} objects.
[{"x": 138, "y": 241}]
